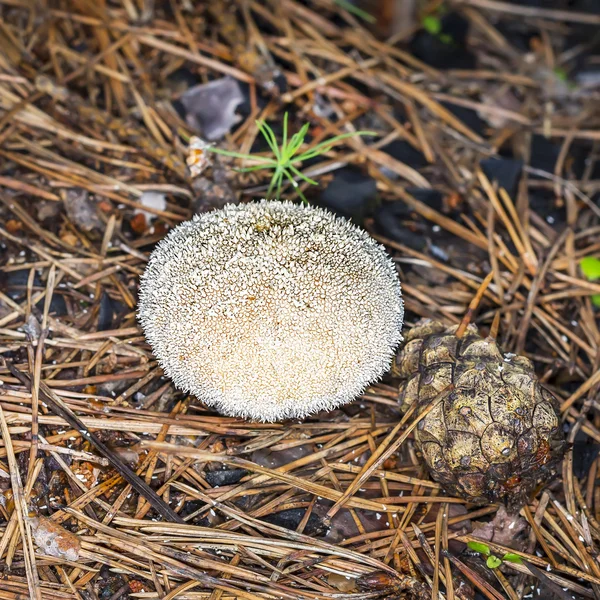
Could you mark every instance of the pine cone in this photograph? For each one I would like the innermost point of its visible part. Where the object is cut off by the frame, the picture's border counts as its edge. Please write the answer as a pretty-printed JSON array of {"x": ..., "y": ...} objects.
[{"x": 495, "y": 432}]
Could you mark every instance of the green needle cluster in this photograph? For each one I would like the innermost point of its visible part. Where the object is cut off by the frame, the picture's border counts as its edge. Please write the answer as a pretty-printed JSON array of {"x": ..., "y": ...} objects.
[{"x": 287, "y": 157}]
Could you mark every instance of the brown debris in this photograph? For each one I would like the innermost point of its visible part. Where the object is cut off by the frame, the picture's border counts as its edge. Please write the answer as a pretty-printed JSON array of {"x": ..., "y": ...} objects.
[{"x": 54, "y": 540}]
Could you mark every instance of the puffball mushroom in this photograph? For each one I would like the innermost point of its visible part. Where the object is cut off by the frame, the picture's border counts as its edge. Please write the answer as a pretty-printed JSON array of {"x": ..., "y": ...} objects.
[{"x": 271, "y": 310}]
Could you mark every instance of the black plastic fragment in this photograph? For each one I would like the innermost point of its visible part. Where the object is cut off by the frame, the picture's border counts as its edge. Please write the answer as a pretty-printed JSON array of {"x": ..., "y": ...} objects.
[
  {"x": 505, "y": 171},
  {"x": 349, "y": 193},
  {"x": 224, "y": 477}
]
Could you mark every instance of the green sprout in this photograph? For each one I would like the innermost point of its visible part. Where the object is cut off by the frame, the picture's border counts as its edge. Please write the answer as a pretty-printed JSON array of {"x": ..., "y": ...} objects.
[
  {"x": 561, "y": 74},
  {"x": 286, "y": 157},
  {"x": 479, "y": 547},
  {"x": 432, "y": 24},
  {"x": 590, "y": 267},
  {"x": 358, "y": 12},
  {"x": 493, "y": 561}
]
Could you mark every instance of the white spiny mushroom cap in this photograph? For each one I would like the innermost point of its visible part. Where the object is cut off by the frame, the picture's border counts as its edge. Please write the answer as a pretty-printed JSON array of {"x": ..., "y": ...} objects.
[{"x": 271, "y": 310}]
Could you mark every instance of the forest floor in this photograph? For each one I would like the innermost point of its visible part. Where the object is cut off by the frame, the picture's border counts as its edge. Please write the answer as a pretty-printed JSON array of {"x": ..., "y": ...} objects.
[{"x": 483, "y": 157}]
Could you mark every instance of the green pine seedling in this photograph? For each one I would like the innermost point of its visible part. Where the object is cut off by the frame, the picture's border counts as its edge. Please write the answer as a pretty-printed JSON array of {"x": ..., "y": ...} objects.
[{"x": 287, "y": 156}]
